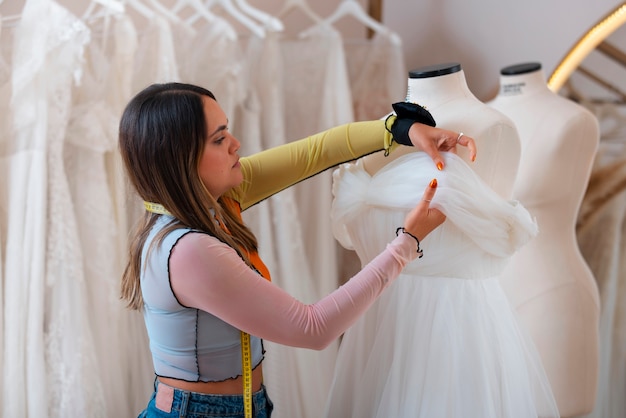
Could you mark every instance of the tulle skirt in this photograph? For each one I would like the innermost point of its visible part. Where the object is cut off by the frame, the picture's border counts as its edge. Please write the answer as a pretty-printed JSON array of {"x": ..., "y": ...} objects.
[{"x": 438, "y": 347}]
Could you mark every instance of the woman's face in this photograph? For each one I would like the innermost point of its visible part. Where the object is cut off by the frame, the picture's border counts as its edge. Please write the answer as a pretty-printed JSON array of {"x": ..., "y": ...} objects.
[{"x": 219, "y": 165}]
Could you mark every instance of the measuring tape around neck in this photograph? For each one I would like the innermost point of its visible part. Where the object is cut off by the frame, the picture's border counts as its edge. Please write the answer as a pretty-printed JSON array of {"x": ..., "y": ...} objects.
[
  {"x": 156, "y": 208},
  {"x": 246, "y": 368}
]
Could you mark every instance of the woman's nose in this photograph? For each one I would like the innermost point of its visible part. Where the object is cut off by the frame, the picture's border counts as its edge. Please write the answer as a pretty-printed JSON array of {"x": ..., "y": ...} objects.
[{"x": 236, "y": 144}]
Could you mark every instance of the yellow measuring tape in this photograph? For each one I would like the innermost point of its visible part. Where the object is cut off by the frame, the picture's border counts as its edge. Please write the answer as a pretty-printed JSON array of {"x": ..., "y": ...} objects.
[
  {"x": 246, "y": 361},
  {"x": 155, "y": 208},
  {"x": 246, "y": 369}
]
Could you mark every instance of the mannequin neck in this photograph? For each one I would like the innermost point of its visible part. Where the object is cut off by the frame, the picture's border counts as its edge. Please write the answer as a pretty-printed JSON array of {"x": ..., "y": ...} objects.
[
  {"x": 434, "y": 91},
  {"x": 523, "y": 84}
]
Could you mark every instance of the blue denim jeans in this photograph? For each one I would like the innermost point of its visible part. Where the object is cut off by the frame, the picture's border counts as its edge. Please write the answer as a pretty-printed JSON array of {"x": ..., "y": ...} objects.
[{"x": 168, "y": 402}]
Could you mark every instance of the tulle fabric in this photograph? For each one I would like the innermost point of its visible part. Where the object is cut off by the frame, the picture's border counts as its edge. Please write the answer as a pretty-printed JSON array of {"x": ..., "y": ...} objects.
[{"x": 443, "y": 341}]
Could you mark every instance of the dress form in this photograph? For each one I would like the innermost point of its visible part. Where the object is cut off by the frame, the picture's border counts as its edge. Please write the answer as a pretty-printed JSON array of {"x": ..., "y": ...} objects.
[
  {"x": 442, "y": 341},
  {"x": 443, "y": 91},
  {"x": 388, "y": 364},
  {"x": 548, "y": 281}
]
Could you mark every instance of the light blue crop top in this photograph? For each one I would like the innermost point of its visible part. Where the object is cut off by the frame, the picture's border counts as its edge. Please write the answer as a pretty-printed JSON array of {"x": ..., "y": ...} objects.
[{"x": 186, "y": 343}]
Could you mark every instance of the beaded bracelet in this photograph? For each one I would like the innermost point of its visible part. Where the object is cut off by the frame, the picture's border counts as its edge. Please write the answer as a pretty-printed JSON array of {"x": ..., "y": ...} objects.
[{"x": 419, "y": 250}]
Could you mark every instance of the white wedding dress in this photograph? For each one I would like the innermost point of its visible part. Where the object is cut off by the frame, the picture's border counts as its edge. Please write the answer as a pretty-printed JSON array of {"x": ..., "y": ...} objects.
[
  {"x": 50, "y": 369},
  {"x": 443, "y": 340}
]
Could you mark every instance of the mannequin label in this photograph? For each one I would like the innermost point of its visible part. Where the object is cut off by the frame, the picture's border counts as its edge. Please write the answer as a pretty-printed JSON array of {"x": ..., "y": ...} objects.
[{"x": 512, "y": 89}]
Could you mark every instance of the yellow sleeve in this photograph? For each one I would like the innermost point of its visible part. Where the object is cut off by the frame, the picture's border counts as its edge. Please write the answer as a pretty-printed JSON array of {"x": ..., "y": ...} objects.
[{"x": 270, "y": 171}]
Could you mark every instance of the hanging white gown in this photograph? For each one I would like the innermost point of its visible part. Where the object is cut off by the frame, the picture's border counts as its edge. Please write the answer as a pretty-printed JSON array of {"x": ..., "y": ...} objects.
[
  {"x": 443, "y": 340},
  {"x": 293, "y": 376},
  {"x": 5, "y": 95},
  {"x": 154, "y": 62},
  {"x": 125, "y": 377},
  {"x": 49, "y": 351},
  {"x": 156, "y": 57},
  {"x": 214, "y": 59},
  {"x": 377, "y": 74},
  {"x": 133, "y": 339},
  {"x": 298, "y": 379},
  {"x": 316, "y": 60}
]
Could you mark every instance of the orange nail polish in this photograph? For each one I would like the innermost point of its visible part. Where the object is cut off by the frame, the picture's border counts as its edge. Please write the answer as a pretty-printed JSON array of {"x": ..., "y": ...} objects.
[
  {"x": 440, "y": 166},
  {"x": 473, "y": 158},
  {"x": 433, "y": 183}
]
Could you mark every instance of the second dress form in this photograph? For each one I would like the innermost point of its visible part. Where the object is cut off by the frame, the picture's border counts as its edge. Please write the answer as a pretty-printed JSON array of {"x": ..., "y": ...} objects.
[
  {"x": 443, "y": 91},
  {"x": 548, "y": 281}
]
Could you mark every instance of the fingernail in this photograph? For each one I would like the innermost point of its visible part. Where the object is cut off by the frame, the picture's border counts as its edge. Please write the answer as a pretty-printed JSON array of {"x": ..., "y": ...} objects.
[
  {"x": 433, "y": 183},
  {"x": 439, "y": 166},
  {"x": 473, "y": 158}
]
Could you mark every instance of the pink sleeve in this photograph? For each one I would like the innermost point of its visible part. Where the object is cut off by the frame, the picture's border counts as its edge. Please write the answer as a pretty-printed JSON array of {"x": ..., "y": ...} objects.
[{"x": 209, "y": 275}]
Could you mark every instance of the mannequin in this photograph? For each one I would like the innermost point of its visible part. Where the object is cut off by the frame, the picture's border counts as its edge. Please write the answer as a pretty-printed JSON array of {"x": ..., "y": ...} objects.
[
  {"x": 443, "y": 90},
  {"x": 444, "y": 340},
  {"x": 548, "y": 281}
]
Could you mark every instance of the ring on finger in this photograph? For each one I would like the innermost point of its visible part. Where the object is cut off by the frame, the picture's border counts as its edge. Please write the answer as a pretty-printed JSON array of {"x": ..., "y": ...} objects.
[
  {"x": 458, "y": 139},
  {"x": 426, "y": 200}
]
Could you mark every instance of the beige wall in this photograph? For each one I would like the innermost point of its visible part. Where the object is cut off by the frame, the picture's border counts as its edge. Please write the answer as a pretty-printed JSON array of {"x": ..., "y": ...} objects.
[
  {"x": 483, "y": 35},
  {"x": 486, "y": 35}
]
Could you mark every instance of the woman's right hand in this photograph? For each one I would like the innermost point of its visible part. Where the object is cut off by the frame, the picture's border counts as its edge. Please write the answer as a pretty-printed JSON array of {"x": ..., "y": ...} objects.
[
  {"x": 433, "y": 140},
  {"x": 423, "y": 219}
]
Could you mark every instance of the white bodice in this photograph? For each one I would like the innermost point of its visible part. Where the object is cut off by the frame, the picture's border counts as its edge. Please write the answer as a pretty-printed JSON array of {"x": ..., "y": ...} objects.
[{"x": 481, "y": 230}]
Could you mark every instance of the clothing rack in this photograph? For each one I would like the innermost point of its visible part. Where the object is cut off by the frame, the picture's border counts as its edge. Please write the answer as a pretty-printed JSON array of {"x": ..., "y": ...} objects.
[
  {"x": 375, "y": 10},
  {"x": 610, "y": 87},
  {"x": 108, "y": 78},
  {"x": 613, "y": 52}
]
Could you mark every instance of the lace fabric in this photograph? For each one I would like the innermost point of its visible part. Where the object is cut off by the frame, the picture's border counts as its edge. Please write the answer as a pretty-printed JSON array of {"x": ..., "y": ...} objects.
[{"x": 47, "y": 62}]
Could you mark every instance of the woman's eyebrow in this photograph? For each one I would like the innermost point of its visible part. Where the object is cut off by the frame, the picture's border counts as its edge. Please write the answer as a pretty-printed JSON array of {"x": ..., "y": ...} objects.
[{"x": 219, "y": 129}]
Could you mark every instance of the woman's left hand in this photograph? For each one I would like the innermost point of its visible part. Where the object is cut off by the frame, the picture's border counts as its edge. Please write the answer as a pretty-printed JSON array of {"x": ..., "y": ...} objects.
[{"x": 434, "y": 140}]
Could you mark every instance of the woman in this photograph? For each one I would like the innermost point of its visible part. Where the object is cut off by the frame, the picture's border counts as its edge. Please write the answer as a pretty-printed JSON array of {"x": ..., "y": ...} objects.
[{"x": 194, "y": 268}]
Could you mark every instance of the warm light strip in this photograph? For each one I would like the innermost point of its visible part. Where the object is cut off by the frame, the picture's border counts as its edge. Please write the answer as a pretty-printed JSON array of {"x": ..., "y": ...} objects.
[{"x": 585, "y": 45}]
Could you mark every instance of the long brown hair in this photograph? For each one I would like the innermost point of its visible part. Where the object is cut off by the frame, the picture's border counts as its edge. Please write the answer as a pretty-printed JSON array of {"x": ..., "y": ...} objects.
[{"x": 161, "y": 139}]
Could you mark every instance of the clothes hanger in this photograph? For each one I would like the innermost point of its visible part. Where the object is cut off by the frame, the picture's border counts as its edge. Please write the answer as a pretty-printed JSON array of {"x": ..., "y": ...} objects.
[
  {"x": 10, "y": 20},
  {"x": 110, "y": 6},
  {"x": 230, "y": 8},
  {"x": 165, "y": 12},
  {"x": 200, "y": 10},
  {"x": 92, "y": 14},
  {"x": 270, "y": 22},
  {"x": 141, "y": 8},
  {"x": 353, "y": 8},
  {"x": 203, "y": 12},
  {"x": 303, "y": 6}
]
